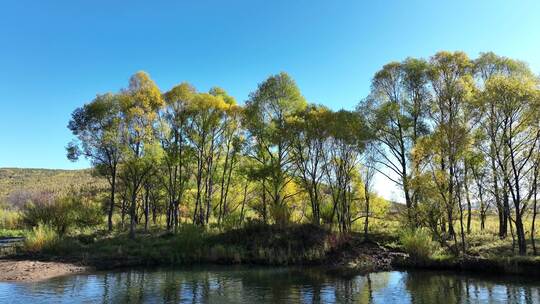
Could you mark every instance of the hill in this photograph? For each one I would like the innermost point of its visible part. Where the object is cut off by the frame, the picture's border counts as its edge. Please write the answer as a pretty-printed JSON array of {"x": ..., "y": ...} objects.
[{"x": 14, "y": 181}]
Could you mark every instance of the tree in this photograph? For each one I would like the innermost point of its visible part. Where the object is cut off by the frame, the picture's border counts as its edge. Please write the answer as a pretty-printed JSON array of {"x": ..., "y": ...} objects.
[
  {"x": 487, "y": 66},
  {"x": 452, "y": 86},
  {"x": 516, "y": 103},
  {"x": 397, "y": 109},
  {"x": 174, "y": 120},
  {"x": 308, "y": 136},
  {"x": 275, "y": 101},
  {"x": 348, "y": 136},
  {"x": 232, "y": 139},
  {"x": 480, "y": 176},
  {"x": 140, "y": 103},
  {"x": 207, "y": 114},
  {"x": 367, "y": 176},
  {"x": 96, "y": 128}
]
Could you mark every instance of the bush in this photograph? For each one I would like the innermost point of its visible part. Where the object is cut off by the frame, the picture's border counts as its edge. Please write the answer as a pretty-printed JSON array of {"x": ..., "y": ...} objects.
[
  {"x": 9, "y": 219},
  {"x": 63, "y": 213},
  {"x": 40, "y": 237},
  {"x": 231, "y": 221},
  {"x": 418, "y": 244},
  {"x": 281, "y": 214}
]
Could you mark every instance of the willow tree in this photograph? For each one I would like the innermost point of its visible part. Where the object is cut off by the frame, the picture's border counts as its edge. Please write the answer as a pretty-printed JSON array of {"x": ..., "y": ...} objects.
[
  {"x": 397, "y": 110},
  {"x": 96, "y": 128},
  {"x": 231, "y": 144},
  {"x": 452, "y": 88},
  {"x": 140, "y": 103},
  {"x": 174, "y": 119},
  {"x": 348, "y": 135},
  {"x": 487, "y": 66},
  {"x": 367, "y": 177},
  {"x": 480, "y": 179},
  {"x": 308, "y": 135},
  {"x": 275, "y": 101},
  {"x": 207, "y": 113},
  {"x": 516, "y": 105}
]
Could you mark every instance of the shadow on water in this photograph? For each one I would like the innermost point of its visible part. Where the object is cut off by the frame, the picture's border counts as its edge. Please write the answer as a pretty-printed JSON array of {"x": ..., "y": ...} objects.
[{"x": 272, "y": 285}]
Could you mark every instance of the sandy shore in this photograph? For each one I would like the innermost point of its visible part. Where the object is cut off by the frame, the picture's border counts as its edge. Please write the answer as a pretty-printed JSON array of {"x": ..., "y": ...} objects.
[{"x": 32, "y": 271}]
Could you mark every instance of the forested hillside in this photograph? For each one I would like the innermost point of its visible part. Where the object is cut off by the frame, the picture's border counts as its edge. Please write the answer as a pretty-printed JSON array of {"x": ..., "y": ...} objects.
[{"x": 15, "y": 182}]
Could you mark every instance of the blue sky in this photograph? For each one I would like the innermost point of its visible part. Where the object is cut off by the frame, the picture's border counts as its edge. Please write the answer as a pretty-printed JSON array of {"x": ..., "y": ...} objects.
[{"x": 57, "y": 55}]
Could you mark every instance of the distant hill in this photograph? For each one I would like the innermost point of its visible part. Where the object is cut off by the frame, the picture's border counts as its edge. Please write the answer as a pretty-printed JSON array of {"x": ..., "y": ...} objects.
[{"x": 16, "y": 180}]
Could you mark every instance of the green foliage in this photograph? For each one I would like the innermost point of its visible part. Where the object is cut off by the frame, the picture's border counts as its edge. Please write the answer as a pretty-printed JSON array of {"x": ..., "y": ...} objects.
[
  {"x": 40, "y": 238},
  {"x": 63, "y": 213},
  {"x": 9, "y": 219},
  {"x": 418, "y": 244}
]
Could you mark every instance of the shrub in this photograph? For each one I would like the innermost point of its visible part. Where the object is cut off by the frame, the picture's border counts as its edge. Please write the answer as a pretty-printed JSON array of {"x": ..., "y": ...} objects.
[
  {"x": 189, "y": 242},
  {"x": 281, "y": 214},
  {"x": 63, "y": 213},
  {"x": 9, "y": 219},
  {"x": 326, "y": 213},
  {"x": 418, "y": 244},
  {"x": 231, "y": 221},
  {"x": 40, "y": 237}
]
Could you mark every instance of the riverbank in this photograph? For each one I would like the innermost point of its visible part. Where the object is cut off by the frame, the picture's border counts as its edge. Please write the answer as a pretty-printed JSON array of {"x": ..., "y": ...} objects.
[
  {"x": 259, "y": 244},
  {"x": 529, "y": 266},
  {"x": 256, "y": 244},
  {"x": 33, "y": 271}
]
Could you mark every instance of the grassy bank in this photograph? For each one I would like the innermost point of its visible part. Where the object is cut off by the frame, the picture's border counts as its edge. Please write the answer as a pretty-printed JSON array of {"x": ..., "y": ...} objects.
[
  {"x": 264, "y": 245},
  {"x": 256, "y": 243}
]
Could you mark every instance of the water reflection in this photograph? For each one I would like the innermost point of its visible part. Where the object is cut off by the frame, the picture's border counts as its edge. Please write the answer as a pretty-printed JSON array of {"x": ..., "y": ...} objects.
[{"x": 271, "y": 285}]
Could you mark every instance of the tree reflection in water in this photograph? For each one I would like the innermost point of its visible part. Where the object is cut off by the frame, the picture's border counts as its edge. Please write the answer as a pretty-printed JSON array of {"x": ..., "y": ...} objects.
[{"x": 272, "y": 285}]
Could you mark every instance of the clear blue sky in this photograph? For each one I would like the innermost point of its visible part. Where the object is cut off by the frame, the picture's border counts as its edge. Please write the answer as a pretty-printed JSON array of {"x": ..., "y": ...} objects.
[{"x": 56, "y": 55}]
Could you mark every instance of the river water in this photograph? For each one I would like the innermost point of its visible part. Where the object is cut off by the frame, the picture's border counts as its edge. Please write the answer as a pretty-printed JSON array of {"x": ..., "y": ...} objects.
[{"x": 272, "y": 285}]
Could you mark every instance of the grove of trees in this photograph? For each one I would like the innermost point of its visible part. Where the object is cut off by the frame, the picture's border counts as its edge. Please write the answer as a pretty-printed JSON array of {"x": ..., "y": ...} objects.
[{"x": 459, "y": 137}]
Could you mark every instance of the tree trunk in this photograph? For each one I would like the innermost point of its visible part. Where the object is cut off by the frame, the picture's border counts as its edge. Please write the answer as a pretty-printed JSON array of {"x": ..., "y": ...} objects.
[
  {"x": 469, "y": 206},
  {"x": 463, "y": 246},
  {"x": 535, "y": 197},
  {"x": 123, "y": 215},
  {"x": 533, "y": 224},
  {"x": 146, "y": 209},
  {"x": 482, "y": 220},
  {"x": 132, "y": 214},
  {"x": 265, "y": 216},
  {"x": 506, "y": 215},
  {"x": 366, "y": 222},
  {"x": 111, "y": 206},
  {"x": 522, "y": 243},
  {"x": 154, "y": 213},
  {"x": 243, "y": 203},
  {"x": 176, "y": 221}
]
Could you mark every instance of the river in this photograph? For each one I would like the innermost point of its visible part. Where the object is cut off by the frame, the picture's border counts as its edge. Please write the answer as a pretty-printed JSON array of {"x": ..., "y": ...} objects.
[{"x": 260, "y": 285}]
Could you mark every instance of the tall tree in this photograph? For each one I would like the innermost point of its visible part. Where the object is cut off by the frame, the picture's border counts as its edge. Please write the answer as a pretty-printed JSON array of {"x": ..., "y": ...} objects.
[
  {"x": 232, "y": 142},
  {"x": 207, "y": 113},
  {"x": 96, "y": 127},
  {"x": 397, "y": 109},
  {"x": 140, "y": 103},
  {"x": 452, "y": 88},
  {"x": 516, "y": 104},
  {"x": 487, "y": 66},
  {"x": 348, "y": 136},
  {"x": 275, "y": 101},
  {"x": 367, "y": 177},
  {"x": 308, "y": 135},
  {"x": 174, "y": 119}
]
